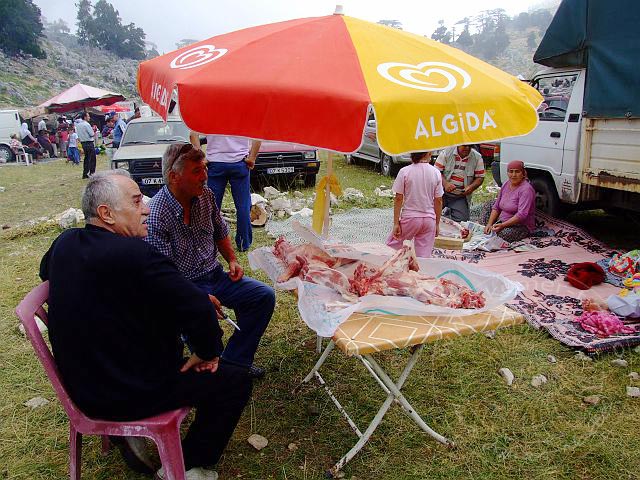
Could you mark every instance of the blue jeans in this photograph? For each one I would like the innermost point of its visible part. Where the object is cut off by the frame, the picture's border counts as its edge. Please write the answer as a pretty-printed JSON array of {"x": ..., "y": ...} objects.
[
  {"x": 253, "y": 303},
  {"x": 237, "y": 174}
]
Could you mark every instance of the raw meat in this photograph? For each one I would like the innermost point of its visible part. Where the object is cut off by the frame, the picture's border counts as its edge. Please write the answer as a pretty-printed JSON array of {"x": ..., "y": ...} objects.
[{"x": 295, "y": 256}]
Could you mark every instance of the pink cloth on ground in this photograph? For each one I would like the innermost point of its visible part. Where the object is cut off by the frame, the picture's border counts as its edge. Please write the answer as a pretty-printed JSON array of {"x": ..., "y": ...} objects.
[
  {"x": 603, "y": 324},
  {"x": 420, "y": 183},
  {"x": 421, "y": 229}
]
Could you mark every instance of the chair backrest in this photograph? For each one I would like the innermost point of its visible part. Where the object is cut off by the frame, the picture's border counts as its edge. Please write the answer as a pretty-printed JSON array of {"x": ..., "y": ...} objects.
[{"x": 30, "y": 307}]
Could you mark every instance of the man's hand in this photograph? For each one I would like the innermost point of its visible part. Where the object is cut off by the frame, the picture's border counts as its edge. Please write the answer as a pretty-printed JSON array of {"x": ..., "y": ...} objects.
[
  {"x": 235, "y": 271},
  {"x": 448, "y": 186},
  {"x": 217, "y": 305},
  {"x": 251, "y": 162},
  {"x": 468, "y": 190},
  {"x": 197, "y": 364}
]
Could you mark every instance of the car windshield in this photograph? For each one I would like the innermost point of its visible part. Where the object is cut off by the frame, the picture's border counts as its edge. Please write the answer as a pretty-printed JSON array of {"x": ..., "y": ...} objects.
[
  {"x": 146, "y": 133},
  {"x": 557, "y": 93}
]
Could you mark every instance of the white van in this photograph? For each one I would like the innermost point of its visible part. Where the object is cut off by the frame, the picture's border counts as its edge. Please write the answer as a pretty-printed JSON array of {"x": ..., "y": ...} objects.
[{"x": 9, "y": 124}]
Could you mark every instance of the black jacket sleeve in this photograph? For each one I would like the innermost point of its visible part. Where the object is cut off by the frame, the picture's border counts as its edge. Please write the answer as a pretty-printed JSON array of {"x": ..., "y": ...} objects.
[{"x": 177, "y": 298}]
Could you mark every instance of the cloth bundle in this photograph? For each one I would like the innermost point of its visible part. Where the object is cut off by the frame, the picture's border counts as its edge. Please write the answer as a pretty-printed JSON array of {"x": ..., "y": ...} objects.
[
  {"x": 585, "y": 275},
  {"x": 603, "y": 324}
]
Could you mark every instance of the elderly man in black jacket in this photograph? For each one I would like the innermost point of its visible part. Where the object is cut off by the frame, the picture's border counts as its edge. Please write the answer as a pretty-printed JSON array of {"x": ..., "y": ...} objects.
[{"x": 117, "y": 308}]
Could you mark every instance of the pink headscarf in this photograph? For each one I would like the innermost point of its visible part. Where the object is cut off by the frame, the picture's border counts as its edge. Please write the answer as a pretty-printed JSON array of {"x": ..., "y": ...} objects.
[{"x": 517, "y": 164}]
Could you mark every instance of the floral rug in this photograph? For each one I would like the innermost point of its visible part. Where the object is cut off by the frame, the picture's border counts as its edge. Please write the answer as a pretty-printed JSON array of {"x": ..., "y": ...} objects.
[{"x": 549, "y": 301}]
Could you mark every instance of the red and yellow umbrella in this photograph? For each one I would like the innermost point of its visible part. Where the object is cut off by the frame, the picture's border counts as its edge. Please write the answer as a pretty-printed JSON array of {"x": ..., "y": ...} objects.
[{"x": 313, "y": 80}]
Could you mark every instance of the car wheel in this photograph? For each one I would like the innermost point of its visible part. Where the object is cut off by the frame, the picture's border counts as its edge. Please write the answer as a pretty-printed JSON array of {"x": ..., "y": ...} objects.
[
  {"x": 546, "y": 196},
  {"x": 6, "y": 155},
  {"x": 386, "y": 165},
  {"x": 310, "y": 180}
]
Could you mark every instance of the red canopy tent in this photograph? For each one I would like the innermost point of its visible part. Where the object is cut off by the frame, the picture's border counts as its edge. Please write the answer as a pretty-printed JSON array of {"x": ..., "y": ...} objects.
[{"x": 81, "y": 96}]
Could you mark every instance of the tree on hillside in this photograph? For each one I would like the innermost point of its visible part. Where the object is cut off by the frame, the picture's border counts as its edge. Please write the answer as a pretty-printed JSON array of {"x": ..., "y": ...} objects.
[
  {"x": 103, "y": 28},
  {"x": 21, "y": 28},
  {"x": 86, "y": 24},
  {"x": 152, "y": 49},
  {"x": 464, "y": 40},
  {"x": 532, "y": 41},
  {"x": 391, "y": 23},
  {"x": 441, "y": 34},
  {"x": 185, "y": 41}
]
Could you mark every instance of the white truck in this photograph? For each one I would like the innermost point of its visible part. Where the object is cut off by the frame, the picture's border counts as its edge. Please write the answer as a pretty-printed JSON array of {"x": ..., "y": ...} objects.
[
  {"x": 9, "y": 124},
  {"x": 585, "y": 151}
]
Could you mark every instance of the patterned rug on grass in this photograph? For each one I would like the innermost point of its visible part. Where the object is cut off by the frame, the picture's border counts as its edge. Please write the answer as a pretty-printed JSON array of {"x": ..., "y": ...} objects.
[{"x": 549, "y": 301}]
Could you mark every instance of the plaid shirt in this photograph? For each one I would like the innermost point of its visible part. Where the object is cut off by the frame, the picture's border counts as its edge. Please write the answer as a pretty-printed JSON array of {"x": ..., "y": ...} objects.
[{"x": 191, "y": 247}]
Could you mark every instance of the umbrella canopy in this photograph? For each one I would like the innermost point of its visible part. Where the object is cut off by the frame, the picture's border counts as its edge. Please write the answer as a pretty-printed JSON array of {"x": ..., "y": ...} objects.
[
  {"x": 114, "y": 108},
  {"x": 81, "y": 96},
  {"x": 313, "y": 81}
]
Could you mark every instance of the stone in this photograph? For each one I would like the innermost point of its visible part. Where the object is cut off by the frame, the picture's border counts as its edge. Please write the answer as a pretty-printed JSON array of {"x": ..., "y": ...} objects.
[
  {"x": 507, "y": 375},
  {"x": 633, "y": 392},
  {"x": 592, "y": 399},
  {"x": 41, "y": 326},
  {"x": 491, "y": 334},
  {"x": 2, "y": 189},
  {"x": 292, "y": 447},
  {"x": 551, "y": 359},
  {"x": 281, "y": 203},
  {"x": 298, "y": 194},
  {"x": 257, "y": 441},
  {"x": 384, "y": 193},
  {"x": 634, "y": 376},
  {"x": 304, "y": 212},
  {"x": 582, "y": 357},
  {"x": 70, "y": 218},
  {"x": 538, "y": 380},
  {"x": 271, "y": 192},
  {"x": 340, "y": 474},
  {"x": 257, "y": 198},
  {"x": 36, "y": 402},
  {"x": 334, "y": 200},
  {"x": 618, "y": 362},
  {"x": 637, "y": 349},
  {"x": 352, "y": 194}
]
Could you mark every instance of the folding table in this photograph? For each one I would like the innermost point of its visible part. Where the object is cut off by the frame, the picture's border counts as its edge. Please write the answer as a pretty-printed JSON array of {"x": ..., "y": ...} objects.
[{"x": 364, "y": 334}]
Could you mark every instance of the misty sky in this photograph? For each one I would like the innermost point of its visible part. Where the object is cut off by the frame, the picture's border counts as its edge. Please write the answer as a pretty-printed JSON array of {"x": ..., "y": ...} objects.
[{"x": 166, "y": 22}]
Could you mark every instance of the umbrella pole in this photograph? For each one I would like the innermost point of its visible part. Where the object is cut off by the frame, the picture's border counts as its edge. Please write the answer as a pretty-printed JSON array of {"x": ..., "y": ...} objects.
[{"x": 327, "y": 203}]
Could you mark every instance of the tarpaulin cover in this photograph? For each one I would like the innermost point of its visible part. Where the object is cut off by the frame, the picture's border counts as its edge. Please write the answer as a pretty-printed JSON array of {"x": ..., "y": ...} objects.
[{"x": 602, "y": 36}]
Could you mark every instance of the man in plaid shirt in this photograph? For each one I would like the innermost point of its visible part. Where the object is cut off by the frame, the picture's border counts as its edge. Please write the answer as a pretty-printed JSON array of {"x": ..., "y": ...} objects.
[
  {"x": 462, "y": 171},
  {"x": 186, "y": 226}
]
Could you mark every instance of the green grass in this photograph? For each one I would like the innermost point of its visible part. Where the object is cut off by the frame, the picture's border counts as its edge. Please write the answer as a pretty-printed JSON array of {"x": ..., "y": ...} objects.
[{"x": 501, "y": 432}]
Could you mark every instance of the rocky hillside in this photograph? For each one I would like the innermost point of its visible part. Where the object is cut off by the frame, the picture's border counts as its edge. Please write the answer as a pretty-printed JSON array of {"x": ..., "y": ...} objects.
[{"x": 26, "y": 82}]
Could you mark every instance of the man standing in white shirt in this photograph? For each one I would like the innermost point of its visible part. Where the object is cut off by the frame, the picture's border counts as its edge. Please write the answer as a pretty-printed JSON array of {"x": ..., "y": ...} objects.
[
  {"x": 230, "y": 160},
  {"x": 42, "y": 125},
  {"x": 86, "y": 136}
]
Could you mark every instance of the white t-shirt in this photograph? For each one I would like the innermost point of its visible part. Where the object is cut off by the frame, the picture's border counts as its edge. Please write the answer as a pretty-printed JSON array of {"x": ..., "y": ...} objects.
[
  {"x": 227, "y": 149},
  {"x": 73, "y": 140},
  {"x": 420, "y": 183},
  {"x": 42, "y": 125}
]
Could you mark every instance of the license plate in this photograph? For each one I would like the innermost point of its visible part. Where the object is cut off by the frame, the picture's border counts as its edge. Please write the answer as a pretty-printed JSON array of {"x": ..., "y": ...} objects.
[
  {"x": 273, "y": 171},
  {"x": 152, "y": 181}
]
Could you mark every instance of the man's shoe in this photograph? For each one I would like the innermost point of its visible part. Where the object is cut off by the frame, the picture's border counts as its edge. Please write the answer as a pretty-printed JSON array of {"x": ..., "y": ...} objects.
[
  {"x": 85, "y": 176},
  {"x": 195, "y": 473},
  {"x": 134, "y": 453},
  {"x": 256, "y": 372}
]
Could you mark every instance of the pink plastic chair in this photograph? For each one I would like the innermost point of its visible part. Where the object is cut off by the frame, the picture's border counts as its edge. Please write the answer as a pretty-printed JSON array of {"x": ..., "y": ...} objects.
[{"x": 164, "y": 429}]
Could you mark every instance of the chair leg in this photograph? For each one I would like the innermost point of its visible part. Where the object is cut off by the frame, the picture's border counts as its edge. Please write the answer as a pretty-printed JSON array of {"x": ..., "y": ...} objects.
[
  {"x": 75, "y": 453},
  {"x": 170, "y": 450},
  {"x": 106, "y": 445}
]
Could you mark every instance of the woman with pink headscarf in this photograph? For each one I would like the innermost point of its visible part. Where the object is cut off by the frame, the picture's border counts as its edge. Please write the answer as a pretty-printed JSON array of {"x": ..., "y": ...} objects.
[{"x": 512, "y": 215}]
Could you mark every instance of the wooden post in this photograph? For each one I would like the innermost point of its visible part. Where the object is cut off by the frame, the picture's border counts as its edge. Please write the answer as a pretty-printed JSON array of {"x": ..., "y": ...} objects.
[{"x": 327, "y": 204}]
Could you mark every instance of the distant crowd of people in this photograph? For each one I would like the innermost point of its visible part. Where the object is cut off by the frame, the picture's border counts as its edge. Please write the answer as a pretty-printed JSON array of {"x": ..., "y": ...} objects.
[{"x": 68, "y": 138}]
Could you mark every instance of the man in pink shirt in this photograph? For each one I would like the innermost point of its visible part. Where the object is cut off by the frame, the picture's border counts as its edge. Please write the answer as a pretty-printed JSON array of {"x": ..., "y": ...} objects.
[
  {"x": 230, "y": 160},
  {"x": 417, "y": 205}
]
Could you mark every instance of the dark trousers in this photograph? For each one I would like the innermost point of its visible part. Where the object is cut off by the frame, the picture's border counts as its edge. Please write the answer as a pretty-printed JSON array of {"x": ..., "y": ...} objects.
[
  {"x": 218, "y": 399},
  {"x": 253, "y": 303},
  {"x": 238, "y": 176},
  {"x": 89, "y": 166}
]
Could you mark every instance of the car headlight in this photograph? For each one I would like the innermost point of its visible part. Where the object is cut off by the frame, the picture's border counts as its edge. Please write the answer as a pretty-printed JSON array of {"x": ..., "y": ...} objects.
[
  {"x": 122, "y": 165},
  {"x": 310, "y": 154}
]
